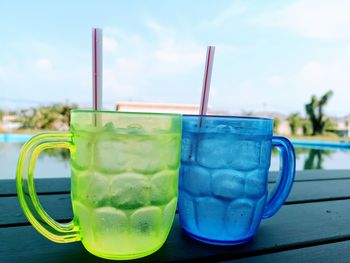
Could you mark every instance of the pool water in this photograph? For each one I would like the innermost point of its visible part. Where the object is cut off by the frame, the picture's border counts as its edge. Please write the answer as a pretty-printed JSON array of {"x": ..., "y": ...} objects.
[
  {"x": 50, "y": 164},
  {"x": 307, "y": 158},
  {"x": 55, "y": 163}
]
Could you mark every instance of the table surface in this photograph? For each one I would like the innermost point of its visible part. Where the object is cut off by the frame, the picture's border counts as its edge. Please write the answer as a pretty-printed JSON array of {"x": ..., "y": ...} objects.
[{"x": 313, "y": 226}]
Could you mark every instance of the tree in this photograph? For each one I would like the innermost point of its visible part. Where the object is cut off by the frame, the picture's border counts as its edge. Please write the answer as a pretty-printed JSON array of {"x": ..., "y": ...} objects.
[
  {"x": 315, "y": 159},
  {"x": 54, "y": 117},
  {"x": 276, "y": 123},
  {"x": 306, "y": 126},
  {"x": 294, "y": 122},
  {"x": 314, "y": 110}
]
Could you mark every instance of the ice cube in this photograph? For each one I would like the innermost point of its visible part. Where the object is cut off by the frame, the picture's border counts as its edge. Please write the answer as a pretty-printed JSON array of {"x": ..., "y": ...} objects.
[
  {"x": 245, "y": 155},
  {"x": 163, "y": 187},
  {"x": 110, "y": 228},
  {"x": 210, "y": 216},
  {"x": 147, "y": 155},
  {"x": 82, "y": 155},
  {"x": 256, "y": 183},
  {"x": 135, "y": 128},
  {"x": 223, "y": 128},
  {"x": 109, "y": 127},
  {"x": 92, "y": 188},
  {"x": 214, "y": 151},
  {"x": 111, "y": 154},
  {"x": 196, "y": 180},
  {"x": 149, "y": 123},
  {"x": 227, "y": 151},
  {"x": 130, "y": 190},
  {"x": 239, "y": 218},
  {"x": 187, "y": 212},
  {"x": 228, "y": 184}
]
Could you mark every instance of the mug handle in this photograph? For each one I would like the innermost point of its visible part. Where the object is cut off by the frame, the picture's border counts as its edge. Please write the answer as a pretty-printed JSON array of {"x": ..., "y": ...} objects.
[
  {"x": 287, "y": 174},
  {"x": 47, "y": 226}
]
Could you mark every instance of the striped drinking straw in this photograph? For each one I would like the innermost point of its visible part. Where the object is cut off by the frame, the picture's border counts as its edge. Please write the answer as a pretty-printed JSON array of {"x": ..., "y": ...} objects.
[
  {"x": 206, "y": 81},
  {"x": 96, "y": 69}
]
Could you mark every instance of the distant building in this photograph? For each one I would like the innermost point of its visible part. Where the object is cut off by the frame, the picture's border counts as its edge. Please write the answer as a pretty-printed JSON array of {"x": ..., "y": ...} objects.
[
  {"x": 161, "y": 108},
  {"x": 343, "y": 126},
  {"x": 8, "y": 123}
]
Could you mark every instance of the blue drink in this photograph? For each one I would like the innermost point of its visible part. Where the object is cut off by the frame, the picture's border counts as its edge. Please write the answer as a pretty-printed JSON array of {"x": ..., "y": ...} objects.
[{"x": 223, "y": 177}]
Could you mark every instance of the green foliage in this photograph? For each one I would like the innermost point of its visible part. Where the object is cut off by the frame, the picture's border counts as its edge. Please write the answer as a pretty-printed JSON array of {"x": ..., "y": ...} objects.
[
  {"x": 314, "y": 110},
  {"x": 315, "y": 159},
  {"x": 62, "y": 154},
  {"x": 307, "y": 127},
  {"x": 276, "y": 123},
  {"x": 54, "y": 117},
  {"x": 330, "y": 124},
  {"x": 295, "y": 122}
]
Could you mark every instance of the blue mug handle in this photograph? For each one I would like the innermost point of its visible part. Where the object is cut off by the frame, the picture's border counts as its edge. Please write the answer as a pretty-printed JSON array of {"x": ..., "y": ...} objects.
[{"x": 287, "y": 174}]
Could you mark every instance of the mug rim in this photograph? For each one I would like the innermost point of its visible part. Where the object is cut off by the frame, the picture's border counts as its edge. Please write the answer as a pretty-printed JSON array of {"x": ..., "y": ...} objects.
[
  {"x": 228, "y": 117},
  {"x": 127, "y": 112}
]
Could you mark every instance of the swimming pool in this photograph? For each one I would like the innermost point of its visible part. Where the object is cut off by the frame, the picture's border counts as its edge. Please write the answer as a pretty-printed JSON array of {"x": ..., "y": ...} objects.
[
  {"x": 321, "y": 145},
  {"x": 9, "y": 137},
  {"x": 55, "y": 163}
]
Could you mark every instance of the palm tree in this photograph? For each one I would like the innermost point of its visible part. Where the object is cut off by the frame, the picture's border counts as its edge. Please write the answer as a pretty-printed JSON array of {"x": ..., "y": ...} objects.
[
  {"x": 314, "y": 110},
  {"x": 294, "y": 122}
]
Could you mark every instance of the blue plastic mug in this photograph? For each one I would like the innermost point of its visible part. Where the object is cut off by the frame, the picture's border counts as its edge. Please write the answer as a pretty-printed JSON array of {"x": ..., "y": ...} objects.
[{"x": 223, "y": 182}]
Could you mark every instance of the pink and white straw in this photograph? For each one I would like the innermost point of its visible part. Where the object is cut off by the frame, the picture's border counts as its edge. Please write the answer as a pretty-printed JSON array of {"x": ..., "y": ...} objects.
[
  {"x": 206, "y": 80},
  {"x": 97, "y": 68}
]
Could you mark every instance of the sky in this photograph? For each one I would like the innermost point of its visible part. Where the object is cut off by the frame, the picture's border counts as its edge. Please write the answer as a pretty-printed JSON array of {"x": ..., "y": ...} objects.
[{"x": 270, "y": 55}]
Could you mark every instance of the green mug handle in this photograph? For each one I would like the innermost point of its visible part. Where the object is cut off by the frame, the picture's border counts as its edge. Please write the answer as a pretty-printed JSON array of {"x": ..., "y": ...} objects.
[{"x": 47, "y": 226}]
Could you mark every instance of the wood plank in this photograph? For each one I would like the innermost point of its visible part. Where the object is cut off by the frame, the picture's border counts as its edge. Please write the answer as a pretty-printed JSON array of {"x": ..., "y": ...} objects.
[
  {"x": 43, "y": 186},
  {"x": 334, "y": 252},
  {"x": 294, "y": 227},
  {"x": 59, "y": 206},
  {"x": 312, "y": 175},
  {"x": 62, "y": 185},
  {"x": 313, "y": 191}
]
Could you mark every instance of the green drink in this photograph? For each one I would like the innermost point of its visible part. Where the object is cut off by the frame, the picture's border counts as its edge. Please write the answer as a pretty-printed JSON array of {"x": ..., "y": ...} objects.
[{"x": 124, "y": 182}]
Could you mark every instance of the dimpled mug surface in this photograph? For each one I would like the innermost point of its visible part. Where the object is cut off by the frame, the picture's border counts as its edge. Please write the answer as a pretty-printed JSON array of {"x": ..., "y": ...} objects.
[
  {"x": 124, "y": 178},
  {"x": 223, "y": 177}
]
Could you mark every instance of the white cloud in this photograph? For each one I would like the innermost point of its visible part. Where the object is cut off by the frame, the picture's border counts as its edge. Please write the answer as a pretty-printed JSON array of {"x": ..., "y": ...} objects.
[
  {"x": 122, "y": 36},
  {"x": 110, "y": 45},
  {"x": 2, "y": 73},
  {"x": 144, "y": 69},
  {"x": 176, "y": 58},
  {"x": 316, "y": 77},
  {"x": 235, "y": 9},
  {"x": 311, "y": 18},
  {"x": 157, "y": 28},
  {"x": 320, "y": 77},
  {"x": 43, "y": 65},
  {"x": 347, "y": 50},
  {"x": 150, "y": 65},
  {"x": 275, "y": 80}
]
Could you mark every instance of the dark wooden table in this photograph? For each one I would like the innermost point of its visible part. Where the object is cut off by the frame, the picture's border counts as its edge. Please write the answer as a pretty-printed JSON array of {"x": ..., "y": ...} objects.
[{"x": 313, "y": 226}]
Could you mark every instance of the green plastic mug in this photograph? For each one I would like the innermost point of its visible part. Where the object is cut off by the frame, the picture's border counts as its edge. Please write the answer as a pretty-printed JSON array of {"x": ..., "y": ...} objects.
[{"x": 124, "y": 177}]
